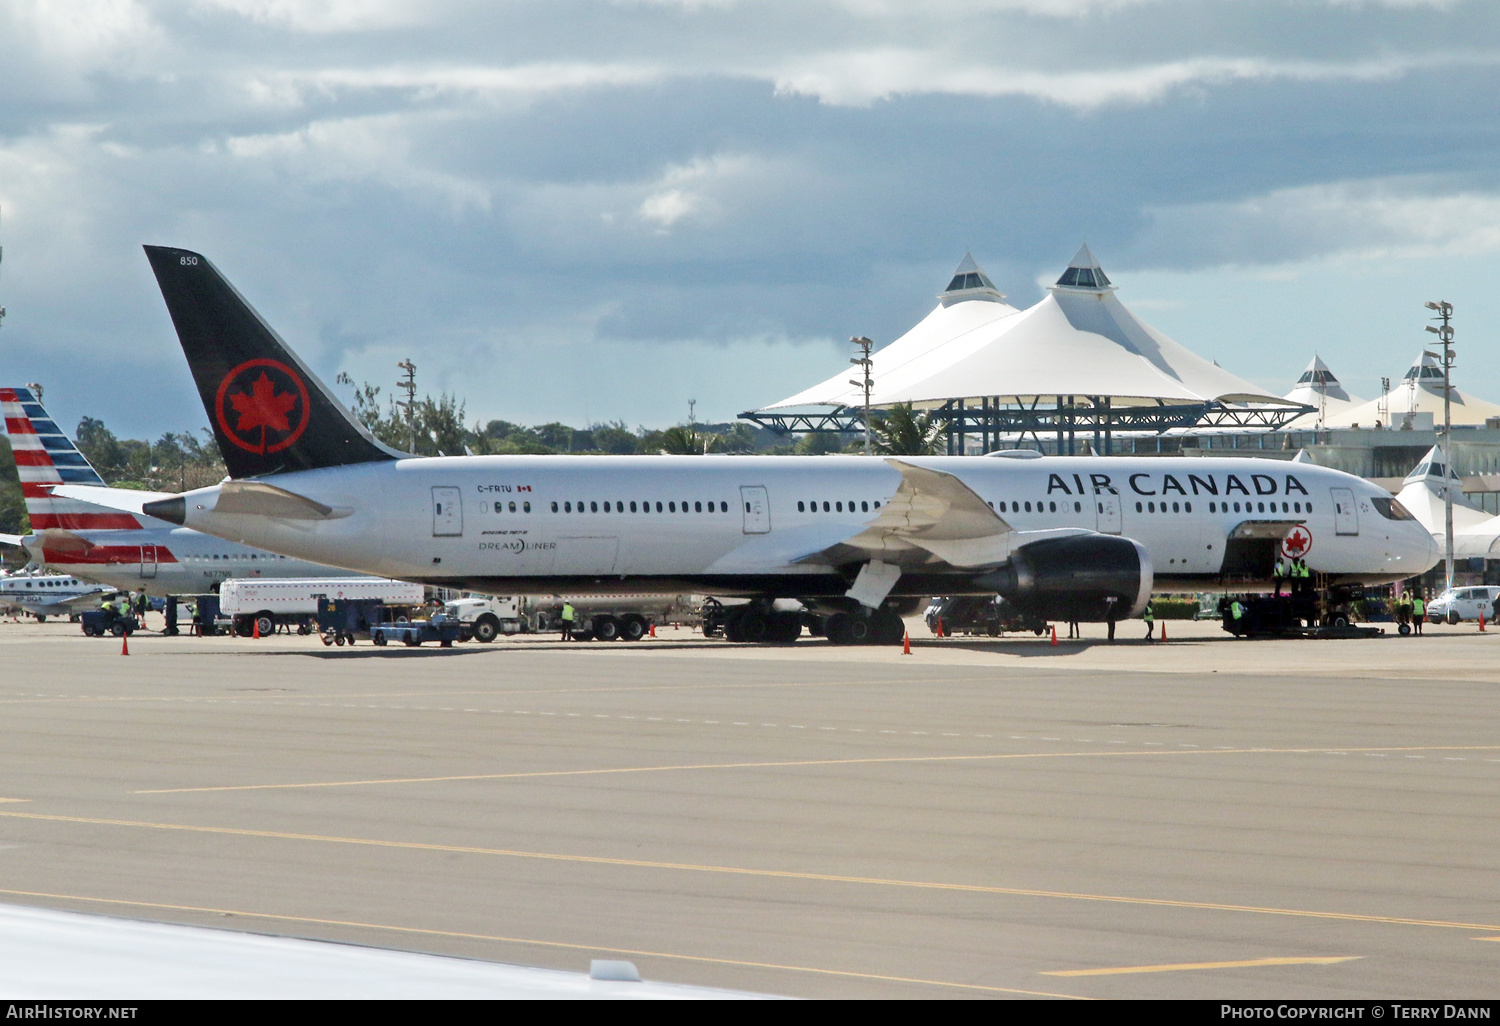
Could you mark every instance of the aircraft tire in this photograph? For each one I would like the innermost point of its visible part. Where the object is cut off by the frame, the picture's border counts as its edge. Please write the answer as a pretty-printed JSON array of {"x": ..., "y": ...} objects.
[
  {"x": 755, "y": 627},
  {"x": 732, "y": 623},
  {"x": 486, "y": 629},
  {"x": 890, "y": 629},
  {"x": 785, "y": 628},
  {"x": 606, "y": 628},
  {"x": 847, "y": 629}
]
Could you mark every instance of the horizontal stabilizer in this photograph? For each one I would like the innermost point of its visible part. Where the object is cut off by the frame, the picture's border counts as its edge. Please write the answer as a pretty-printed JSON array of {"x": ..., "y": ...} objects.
[
  {"x": 255, "y": 498},
  {"x": 126, "y": 500},
  {"x": 58, "y": 540}
]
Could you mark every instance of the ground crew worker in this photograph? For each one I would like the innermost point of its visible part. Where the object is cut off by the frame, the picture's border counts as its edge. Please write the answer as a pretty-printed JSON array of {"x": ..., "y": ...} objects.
[
  {"x": 567, "y": 621},
  {"x": 1418, "y": 612},
  {"x": 1150, "y": 617},
  {"x": 1278, "y": 574},
  {"x": 1237, "y": 612}
]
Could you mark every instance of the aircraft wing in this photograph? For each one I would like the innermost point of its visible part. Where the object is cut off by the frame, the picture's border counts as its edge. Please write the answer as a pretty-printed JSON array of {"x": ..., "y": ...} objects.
[
  {"x": 933, "y": 518},
  {"x": 13, "y": 540}
]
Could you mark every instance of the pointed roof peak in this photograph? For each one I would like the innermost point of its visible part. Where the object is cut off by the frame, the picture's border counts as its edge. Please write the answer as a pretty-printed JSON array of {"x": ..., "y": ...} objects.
[
  {"x": 1432, "y": 465},
  {"x": 1084, "y": 258},
  {"x": 1320, "y": 379},
  {"x": 970, "y": 282},
  {"x": 1084, "y": 272}
]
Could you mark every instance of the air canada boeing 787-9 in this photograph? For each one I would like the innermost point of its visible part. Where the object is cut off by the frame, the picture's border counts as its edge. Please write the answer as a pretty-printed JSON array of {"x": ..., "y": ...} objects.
[{"x": 859, "y": 540}]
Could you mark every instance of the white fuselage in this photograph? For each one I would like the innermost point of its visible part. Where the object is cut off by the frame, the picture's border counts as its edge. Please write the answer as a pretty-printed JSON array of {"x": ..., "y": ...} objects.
[
  {"x": 168, "y": 560},
  {"x": 529, "y": 524},
  {"x": 50, "y": 594}
]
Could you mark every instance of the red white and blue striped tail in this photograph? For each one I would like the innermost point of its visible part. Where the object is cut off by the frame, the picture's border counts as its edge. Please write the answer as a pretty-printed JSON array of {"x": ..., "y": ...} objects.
[{"x": 46, "y": 457}]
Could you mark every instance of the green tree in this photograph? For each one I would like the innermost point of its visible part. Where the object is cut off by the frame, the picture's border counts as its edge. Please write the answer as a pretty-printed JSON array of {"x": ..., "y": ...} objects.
[
  {"x": 901, "y": 431},
  {"x": 682, "y": 440},
  {"x": 101, "y": 448},
  {"x": 12, "y": 506},
  {"x": 739, "y": 438},
  {"x": 614, "y": 437}
]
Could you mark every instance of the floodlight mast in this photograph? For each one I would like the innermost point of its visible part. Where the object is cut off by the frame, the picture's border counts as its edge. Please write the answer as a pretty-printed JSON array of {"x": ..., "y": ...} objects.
[
  {"x": 1445, "y": 335},
  {"x": 408, "y": 385},
  {"x": 863, "y": 360}
]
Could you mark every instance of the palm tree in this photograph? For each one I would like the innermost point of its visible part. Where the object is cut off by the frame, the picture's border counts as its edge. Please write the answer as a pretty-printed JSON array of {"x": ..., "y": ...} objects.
[
  {"x": 682, "y": 440},
  {"x": 901, "y": 431}
]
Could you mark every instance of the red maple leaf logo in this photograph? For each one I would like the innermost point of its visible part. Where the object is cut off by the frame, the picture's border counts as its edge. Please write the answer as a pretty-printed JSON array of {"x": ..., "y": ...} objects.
[{"x": 263, "y": 407}]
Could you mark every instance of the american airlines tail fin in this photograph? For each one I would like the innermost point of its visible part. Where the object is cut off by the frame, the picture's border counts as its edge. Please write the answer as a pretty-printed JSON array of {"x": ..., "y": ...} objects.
[
  {"x": 46, "y": 458},
  {"x": 269, "y": 413}
]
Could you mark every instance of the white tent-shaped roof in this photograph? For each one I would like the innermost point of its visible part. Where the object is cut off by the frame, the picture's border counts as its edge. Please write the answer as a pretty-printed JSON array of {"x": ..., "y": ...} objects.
[
  {"x": 1078, "y": 341},
  {"x": 1318, "y": 387},
  {"x": 1420, "y": 391},
  {"x": 1475, "y": 532},
  {"x": 970, "y": 303}
]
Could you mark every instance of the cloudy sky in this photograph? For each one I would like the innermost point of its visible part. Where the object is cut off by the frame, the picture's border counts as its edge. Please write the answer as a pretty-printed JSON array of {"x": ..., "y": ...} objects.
[{"x": 590, "y": 210}]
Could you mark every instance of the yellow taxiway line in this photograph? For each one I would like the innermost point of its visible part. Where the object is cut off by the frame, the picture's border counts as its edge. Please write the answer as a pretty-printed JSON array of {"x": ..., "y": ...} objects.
[
  {"x": 495, "y": 938},
  {"x": 745, "y": 871},
  {"x": 1185, "y": 966},
  {"x": 872, "y": 761}
]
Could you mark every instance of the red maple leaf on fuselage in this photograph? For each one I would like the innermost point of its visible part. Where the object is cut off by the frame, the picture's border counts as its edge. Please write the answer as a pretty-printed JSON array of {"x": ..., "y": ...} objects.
[{"x": 263, "y": 407}]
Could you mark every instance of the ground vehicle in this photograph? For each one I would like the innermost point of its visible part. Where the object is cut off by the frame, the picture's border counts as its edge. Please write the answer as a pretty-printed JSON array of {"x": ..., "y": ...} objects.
[
  {"x": 1458, "y": 604},
  {"x": 440, "y": 628},
  {"x": 257, "y": 604},
  {"x": 604, "y": 618},
  {"x": 99, "y": 622},
  {"x": 980, "y": 614}
]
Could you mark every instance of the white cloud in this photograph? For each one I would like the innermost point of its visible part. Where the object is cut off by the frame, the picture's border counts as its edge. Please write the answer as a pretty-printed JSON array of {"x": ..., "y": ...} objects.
[
  {"x": 374, "y": 149},
  {"x": 1406, "y": 217},
  {"x": 330, "y": 16},
  {"x": 860, "y": 78}
]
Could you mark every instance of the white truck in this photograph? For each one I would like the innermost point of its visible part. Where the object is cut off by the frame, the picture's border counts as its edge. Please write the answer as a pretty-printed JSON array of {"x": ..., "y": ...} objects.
[
  {"x": 255, "y": 604},
  {"x": 602, "y": 617}
]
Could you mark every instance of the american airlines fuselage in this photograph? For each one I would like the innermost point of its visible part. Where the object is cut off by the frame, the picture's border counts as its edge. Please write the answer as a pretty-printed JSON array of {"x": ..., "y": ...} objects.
[
  {"x": 765, "y": 525},
  {"x": 165, "y": 560}
]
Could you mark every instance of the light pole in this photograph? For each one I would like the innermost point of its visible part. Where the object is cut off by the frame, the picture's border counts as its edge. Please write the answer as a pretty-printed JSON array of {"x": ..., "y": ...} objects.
[
  {"x": 863, "y": 360},
  {"x": 408, "y": 385},
  {"x": 1445, "y": 335}
]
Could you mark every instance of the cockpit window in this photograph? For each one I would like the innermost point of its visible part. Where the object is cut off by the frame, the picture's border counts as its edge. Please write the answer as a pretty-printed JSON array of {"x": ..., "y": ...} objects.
[{"x": 1391, "y": 509}]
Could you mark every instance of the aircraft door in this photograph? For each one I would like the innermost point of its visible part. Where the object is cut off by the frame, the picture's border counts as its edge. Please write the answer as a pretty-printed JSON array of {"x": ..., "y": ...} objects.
[
  {"x": 1345, "y": 514},
  {"x": 1107, "y": 509},
  {"x": 447, "y": 513},
  {"x": 757, "y": 505},
  {"x": 148, "y": 562}
]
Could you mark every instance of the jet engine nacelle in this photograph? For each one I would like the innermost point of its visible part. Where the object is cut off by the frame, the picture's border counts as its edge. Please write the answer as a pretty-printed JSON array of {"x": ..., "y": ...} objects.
[{"x": 1083, "y": 577}]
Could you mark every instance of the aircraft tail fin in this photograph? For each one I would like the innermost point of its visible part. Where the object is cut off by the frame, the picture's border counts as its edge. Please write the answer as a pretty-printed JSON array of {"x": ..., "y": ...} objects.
[
  {"x": 269, "y": 413},
  {"x": 45, "y": 458}
]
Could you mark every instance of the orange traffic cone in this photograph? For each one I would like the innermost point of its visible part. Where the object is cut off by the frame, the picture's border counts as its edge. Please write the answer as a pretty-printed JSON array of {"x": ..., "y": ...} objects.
[
  {"x": 940, "y": 627},
  {"x": 255, "y": 630},
  {"x": 906, "y": 644},
  {"x": 1054, "y": 634},
  {"x": 1164, "y": 630},
  {"x": 1481, "y": 619},
  {"x": 653, "y": 630},
  {"x": 124, "y": 644}
]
